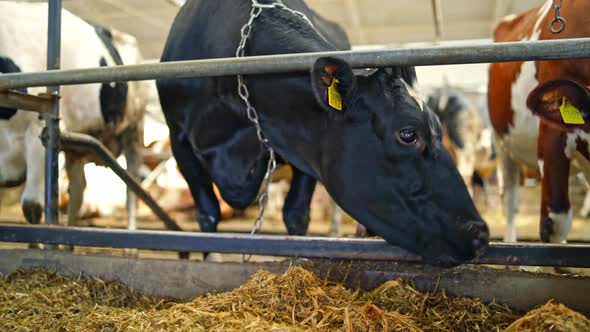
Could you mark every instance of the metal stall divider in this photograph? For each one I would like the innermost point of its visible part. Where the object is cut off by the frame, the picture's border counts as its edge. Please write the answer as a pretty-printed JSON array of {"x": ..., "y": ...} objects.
[
  {"x": 506, "y": 254},
  {"x": 52, "y": 118}
]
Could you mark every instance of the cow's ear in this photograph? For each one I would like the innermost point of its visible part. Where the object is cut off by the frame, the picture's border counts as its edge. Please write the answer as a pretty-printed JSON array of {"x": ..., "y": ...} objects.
[
  {"x": 564, "y": 102},
  {"x": 333, "y": 83}
]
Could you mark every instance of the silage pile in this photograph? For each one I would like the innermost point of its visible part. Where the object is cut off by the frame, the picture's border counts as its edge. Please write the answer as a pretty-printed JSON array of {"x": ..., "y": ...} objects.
[{"x": 294, "y": 301}]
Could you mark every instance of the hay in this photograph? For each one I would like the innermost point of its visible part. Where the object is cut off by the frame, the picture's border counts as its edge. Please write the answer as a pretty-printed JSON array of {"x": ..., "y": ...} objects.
[
  {"x": 551, "y": 317},
  {"x": 294, "y": 301}
]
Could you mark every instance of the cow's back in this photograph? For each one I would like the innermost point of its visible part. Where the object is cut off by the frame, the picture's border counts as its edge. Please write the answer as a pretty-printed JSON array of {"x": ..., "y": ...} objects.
[
  {"x": 216, "y": 26},
  {"x": 211, "y": 29},
  {"x": 511, "y": 82},
  {"x": 23, "y": 38}
]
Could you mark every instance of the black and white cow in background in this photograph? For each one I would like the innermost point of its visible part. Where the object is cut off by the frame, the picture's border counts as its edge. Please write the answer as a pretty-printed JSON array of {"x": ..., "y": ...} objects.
[
  {"x": 380, "y": 156},
  {"x": 112, "y": 112},
  {"x": 467, "y": 134}
]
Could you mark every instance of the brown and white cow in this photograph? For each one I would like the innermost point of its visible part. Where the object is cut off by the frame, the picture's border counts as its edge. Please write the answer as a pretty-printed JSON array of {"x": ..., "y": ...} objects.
[
  {"x": 111, "y": 112},
  {"x": 532, "y": 131}
]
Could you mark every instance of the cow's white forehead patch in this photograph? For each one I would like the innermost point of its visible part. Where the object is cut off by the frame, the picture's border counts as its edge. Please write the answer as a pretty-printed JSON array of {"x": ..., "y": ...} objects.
[{"x": 415, "y": 93}]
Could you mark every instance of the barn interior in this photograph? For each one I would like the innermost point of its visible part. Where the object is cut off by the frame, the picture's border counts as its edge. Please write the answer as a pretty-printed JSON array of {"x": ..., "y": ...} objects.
[
  {"x": 374, "y": 24},
  {"x": 370, "y": 24}
]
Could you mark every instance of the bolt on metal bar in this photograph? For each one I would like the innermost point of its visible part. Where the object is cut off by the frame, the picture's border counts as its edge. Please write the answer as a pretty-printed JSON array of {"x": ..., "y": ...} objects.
[
  {"x": 86, "y": 142},
  {"x": 52, "y": 118},
  {"x": 443, "y": 55},
  {"x": 288, "y": 246}
]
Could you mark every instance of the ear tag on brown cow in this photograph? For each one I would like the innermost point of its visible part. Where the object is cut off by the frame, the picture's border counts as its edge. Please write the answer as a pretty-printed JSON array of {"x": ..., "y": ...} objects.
[
  {"x": 569, "y": 113},
  {"x": 334, "y": 97}
]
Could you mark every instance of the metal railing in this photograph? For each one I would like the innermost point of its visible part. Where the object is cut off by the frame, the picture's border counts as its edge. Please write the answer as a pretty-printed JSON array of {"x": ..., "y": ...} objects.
[
  {"x": 277, "y": 245},
  {"x": 520, "y": 254},
  {"x": 285, "y": 63}
]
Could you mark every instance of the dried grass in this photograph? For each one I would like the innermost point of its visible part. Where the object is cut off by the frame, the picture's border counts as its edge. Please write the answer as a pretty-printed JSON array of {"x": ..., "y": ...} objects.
[
  {"x": 553, "y": 317},
  {"x": 294, "y": 301}
]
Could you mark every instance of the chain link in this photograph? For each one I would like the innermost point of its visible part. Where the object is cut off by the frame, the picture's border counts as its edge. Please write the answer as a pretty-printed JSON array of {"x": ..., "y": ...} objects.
[
  {"x": 558, "y": 23},
  {"x": 244, "y": 94}
]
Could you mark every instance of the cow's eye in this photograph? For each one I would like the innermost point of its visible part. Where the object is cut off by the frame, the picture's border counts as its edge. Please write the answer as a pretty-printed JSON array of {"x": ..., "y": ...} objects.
[{"x": 408, "y": 136}]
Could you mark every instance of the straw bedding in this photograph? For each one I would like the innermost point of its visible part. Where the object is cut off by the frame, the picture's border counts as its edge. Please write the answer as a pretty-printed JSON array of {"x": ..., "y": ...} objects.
[{"x": 294, "y": 301}]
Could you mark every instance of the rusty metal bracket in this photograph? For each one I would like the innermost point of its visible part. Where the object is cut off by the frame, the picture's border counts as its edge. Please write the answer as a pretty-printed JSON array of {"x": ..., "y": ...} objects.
[{"x": 27, "y": 102}]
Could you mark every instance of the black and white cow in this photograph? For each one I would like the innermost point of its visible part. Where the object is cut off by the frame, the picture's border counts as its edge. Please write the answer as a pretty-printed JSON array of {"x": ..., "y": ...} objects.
[
  {"x": 467, "y": 134},
  {"x": 112, "y": 112},
  {"x": 380, "y": 156}
]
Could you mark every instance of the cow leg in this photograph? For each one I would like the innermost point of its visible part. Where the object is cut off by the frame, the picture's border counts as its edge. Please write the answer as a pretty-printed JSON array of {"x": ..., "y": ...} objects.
[
  {"x": 335, "y": 230},
  {"x": 131, "y": 148},
  {"x": 466, "y": 167},
  {"x": 200, "y": 185},
  {"x": 77, "y": 184},
  {"x": 508, "y": 179},
  {"x": 584, "y": 165},
  {"x": 32, "y": 202},
  {"x": 585, "y": 210},
  {"x": 556, "y": 214},
  {"x": 297, "y": 203},
  {"x": 132, "y": 141}
]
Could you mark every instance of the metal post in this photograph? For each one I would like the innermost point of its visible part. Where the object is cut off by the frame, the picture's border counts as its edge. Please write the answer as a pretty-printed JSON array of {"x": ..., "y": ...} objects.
[
  {"x": 52, "y": 119},
  {"x": 438, "y": 19}
]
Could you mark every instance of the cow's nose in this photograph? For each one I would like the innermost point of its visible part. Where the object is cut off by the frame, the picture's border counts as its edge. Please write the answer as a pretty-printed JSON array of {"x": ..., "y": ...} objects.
[
  {"x": 480, "y": 244},
  {"x": 478, "y": 232}
]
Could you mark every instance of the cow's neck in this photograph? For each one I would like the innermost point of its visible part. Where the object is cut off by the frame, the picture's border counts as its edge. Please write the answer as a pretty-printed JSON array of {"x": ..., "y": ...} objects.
[
  {"x": 291, "y": 119},
  {"x": 285, "y": 33},
  {"x": 290, "y": 116}
]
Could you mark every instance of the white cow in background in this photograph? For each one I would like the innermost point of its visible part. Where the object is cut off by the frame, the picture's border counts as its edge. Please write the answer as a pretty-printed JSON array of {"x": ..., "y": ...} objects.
[{"x": 111, "y": 112}]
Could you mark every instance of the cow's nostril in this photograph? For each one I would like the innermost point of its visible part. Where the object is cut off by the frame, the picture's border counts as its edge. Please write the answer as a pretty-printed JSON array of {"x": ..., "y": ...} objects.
[{"x": 478, "y": 244}]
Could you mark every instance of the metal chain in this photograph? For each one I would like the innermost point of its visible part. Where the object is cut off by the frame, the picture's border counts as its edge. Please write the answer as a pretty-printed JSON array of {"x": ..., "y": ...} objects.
[
  {"x": 558, "y": 23},
  {"x": 244, "y": 94}
]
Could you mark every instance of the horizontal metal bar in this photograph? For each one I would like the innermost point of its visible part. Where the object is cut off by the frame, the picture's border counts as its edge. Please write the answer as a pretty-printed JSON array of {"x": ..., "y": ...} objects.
[
  {"x": 89, "y": 143},
  {"x": 293, "y": 246},
  {"x": 444, "y": 55},
  {"x": 26, "y": 102}
]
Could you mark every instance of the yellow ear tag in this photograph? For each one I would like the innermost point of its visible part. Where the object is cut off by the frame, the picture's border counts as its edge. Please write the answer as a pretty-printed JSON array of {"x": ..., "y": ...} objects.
[
  {"x": 334, "y": 97},
  {"x": 569, "y": 113}
]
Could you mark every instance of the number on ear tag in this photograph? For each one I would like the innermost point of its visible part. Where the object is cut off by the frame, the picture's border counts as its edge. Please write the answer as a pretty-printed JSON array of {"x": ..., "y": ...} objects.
[
  {"x": 569, "y": 113},
  {"x": 334, "y": 97}
]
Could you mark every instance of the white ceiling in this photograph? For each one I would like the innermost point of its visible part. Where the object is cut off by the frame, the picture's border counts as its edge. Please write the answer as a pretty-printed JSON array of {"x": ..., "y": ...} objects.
[{"x": 391, "y": 22}]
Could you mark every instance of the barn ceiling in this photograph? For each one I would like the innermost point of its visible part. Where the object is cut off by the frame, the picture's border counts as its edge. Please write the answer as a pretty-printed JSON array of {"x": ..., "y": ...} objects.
[{"x": 368, "y": 22}]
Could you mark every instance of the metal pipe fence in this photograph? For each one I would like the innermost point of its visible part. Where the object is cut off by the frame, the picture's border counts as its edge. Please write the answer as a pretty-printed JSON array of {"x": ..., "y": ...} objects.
[
  {"x": 508, "y": 254},
  {"x": 285, "y": 63},
  {"x": 52, "y": 118},
  {"x": 289, "y": 246}
]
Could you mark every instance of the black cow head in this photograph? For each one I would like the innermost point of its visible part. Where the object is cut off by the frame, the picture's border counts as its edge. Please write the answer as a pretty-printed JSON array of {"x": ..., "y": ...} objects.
[{"x": 380, "y": 156}]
